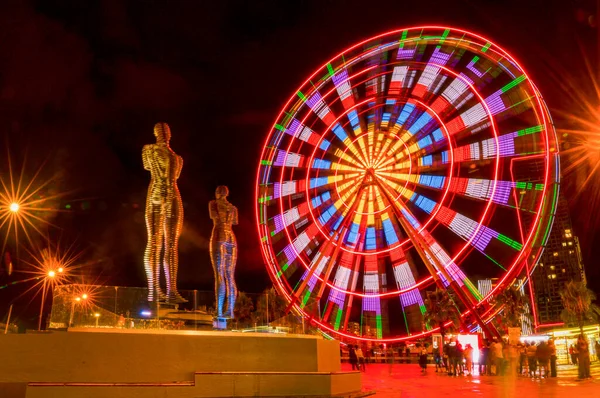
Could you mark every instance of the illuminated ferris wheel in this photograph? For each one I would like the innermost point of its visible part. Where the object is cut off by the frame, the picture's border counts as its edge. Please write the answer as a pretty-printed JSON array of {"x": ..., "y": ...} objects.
[{"x": 420, "y": 158}]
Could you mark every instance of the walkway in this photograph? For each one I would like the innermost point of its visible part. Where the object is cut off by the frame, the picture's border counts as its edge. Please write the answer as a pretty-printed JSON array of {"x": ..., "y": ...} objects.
[{"x": 406, "y": 381}]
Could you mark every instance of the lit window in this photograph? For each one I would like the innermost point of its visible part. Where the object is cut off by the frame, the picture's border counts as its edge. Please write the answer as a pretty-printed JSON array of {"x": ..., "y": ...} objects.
[
  {"x": 570, "y": 243},
  {"x": 567, "y": 231},
  {"x": 555, "y": 254},
  {"x": 564, "y": 270},
  {"x": 564, "y": 244},
  {"x": 571, "y": 252},
  {"x": 552, "y": 267},
  {"x": 553, "y": 276}
]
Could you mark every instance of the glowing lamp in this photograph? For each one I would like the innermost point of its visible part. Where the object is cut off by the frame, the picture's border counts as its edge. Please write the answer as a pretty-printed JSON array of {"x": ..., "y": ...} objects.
[
  {"x": 60, "y": 269},
  {"x": 97, "y": 315},
  {"x": 145, "y": 313},
  {"x": 84, "y": 296},
  {"x": 14, "y": 207},
  {"x": 77, "y": 299},
  {"x": 51, "y": 274}
]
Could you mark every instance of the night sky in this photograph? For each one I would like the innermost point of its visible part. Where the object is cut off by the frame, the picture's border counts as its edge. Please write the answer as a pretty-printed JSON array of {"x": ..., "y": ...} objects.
[{"x": 82, "y": 84}]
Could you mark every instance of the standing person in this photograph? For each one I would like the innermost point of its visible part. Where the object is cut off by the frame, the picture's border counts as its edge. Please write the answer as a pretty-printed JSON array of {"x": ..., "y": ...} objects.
[
  {"x": 352, "y": 357},
  {"x": 446, "y": 357},
  {"x": 522, "y": 357},
  {"x": 498, "y": 357},
  {"x": 583, "y": 358},
  {"x": 453, "y": 356},
  {"x": 468, "y": 354},
  {"x": 437, "y": 358},
  {"x": 552, "y": 348},
  {"x": 361, "y": 358},
  {"x": 407, "y": 354},
  {"x": 573, "y": 353},
  {"x": 484, "y": 354},
  {"x": 390, "y": 357},
  {"x": 542, "y": 354},
  {"x": 460, "y": 362},
  {"x": 531, "y": 359},
  {"x": 423, "y": 358}
]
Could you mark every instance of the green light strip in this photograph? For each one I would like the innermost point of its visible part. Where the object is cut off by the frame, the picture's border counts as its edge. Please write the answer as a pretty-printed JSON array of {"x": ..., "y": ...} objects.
[
  {"x": 513, "y": 83},
  {"x": 330, "y": 69},
  {"x": 404, "y": 34},
  {"x": 530, "y": 130},
  {"x": 266, "y": 162},
  {"x": 405, "y": 321},
  {"x": 444, "y": 35},
  {"x": 305, "y": 298},
  {"x": 475, "y": 59},
  {"x": 539, "y": 187},
  {"x": 264, "y": 199},
  {"x": 302, "y": 96},
  {"x": 512, "y": 243},
  {"x": 473, "y": 289},
  {"x": 486, "y": 47},
  {"x": 379, "y": 326},
  {"x": 338, "y": 319},
  {"x": 494, "y": 261},
  {"x": 279, "y": 127}
]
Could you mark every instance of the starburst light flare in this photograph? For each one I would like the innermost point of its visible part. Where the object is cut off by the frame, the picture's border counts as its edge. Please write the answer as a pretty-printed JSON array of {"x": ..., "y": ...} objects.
[{"x": 26, "y": 204}]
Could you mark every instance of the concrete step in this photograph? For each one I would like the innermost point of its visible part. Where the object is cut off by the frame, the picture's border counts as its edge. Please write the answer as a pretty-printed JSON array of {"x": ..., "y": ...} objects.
[{"x": 215, "y": 384}]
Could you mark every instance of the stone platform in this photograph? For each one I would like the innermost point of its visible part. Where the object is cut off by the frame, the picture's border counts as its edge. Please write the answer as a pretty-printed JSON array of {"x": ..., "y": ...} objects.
[{"x": 179, "y": 364}]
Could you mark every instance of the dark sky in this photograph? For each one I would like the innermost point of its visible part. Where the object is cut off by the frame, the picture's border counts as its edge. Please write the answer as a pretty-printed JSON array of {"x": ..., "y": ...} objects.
[{"x": 83, "y": 82}]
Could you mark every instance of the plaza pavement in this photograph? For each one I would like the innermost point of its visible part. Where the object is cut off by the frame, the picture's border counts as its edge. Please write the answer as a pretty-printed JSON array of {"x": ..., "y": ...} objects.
[{"x": 406, "y": 381}]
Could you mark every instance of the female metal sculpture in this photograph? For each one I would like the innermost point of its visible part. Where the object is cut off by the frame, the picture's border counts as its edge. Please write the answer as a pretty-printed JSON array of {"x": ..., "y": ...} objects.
[
  {"x": 164, "y": 215},
  {"x": 223, "y": 250}
]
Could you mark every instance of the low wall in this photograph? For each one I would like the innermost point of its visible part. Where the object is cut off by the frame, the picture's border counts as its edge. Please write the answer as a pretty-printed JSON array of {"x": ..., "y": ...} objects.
[{"x": 132, "y": 357}]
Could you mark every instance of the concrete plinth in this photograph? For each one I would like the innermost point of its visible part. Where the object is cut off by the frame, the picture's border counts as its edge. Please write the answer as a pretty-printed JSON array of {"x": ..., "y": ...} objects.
[{"x": 172, "y": 364}]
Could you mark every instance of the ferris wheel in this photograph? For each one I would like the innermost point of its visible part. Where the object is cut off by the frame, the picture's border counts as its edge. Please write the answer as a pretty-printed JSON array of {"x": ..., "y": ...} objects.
[{"x": 420, "y": 158}]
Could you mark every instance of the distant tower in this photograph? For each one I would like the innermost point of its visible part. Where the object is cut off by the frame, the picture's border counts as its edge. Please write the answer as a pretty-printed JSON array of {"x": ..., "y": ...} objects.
[{"x": 561, "y": 262}]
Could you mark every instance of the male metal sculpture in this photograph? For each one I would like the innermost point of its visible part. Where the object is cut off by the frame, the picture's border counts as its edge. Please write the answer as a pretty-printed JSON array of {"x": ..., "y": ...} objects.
[
  {"x": 223, "y": 251},
  {"x": 164, "y": 215}
]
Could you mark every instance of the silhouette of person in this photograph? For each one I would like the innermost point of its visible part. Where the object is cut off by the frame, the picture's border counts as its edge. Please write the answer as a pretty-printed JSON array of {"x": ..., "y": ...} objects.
[
  {"x": 164, "y": 215},
  {"x": 223, "y": 251}
]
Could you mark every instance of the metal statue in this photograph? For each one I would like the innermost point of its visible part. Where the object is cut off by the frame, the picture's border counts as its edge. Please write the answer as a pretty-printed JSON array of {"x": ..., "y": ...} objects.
[
  {"x": 164, "y": 215},
  {"x": 223, "y": 251}
]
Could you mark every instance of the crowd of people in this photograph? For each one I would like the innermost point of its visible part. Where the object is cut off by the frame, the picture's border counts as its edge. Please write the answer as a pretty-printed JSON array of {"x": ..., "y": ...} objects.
[{"x": 496, "y": 358}]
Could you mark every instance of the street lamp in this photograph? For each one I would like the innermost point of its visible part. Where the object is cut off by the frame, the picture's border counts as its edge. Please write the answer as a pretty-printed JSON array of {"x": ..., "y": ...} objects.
[
  {"x": 49, "y": 276},
  {"x": 97, "y": 316},
  {"x": 14, "y": 207},
  {"x": 75, "y": 300}
]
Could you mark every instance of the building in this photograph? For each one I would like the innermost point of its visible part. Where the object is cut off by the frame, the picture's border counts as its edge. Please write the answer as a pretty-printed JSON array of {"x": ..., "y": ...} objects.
[{"x": 560, "y": 263}]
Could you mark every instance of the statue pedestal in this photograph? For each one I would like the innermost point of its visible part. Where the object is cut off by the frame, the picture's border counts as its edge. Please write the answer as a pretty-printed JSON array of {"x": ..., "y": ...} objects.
[
  {"x": 220, "y": 323},
  {"x": 146, "y": 363}
]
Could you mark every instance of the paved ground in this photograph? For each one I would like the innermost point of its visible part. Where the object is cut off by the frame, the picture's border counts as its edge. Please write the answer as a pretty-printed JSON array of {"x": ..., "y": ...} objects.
[{"x": 406, "y": 381}]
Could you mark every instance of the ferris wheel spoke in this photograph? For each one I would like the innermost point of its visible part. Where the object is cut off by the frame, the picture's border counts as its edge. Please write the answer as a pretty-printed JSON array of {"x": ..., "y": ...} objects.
[
  {"x": 508, "y": 145},
  {"x": 438, "y": 262}
]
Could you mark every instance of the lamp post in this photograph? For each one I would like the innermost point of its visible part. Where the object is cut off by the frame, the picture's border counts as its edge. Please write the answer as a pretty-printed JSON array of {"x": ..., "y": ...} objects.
[
  {"x": 97, "y": 316},
  {"x": 50, "y": 275},
  {"x": 75, "y": 300}
]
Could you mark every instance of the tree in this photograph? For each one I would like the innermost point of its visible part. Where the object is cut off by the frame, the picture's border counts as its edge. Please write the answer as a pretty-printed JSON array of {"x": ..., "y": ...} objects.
[
  {"x": 441, "y": 310},
  {"x": 514, "y": 307},
  {"x": 578, "y": 302},
  {"x": 275, "y": 303},
  {"x": 243, "y": 309}
]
